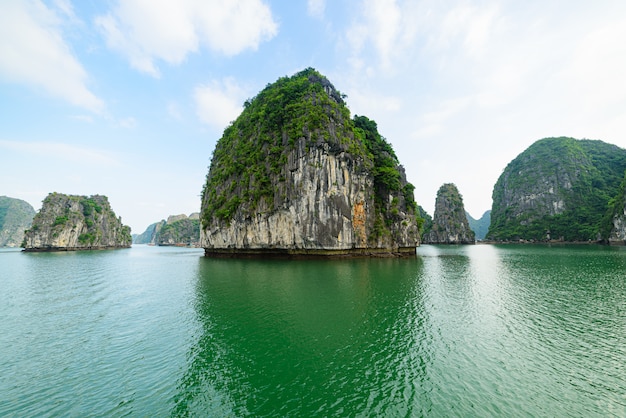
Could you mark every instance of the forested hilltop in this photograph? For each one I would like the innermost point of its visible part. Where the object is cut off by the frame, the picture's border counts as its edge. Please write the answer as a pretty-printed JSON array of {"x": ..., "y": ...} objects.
[
  {"x": 296, "y": 173},
  {"x": 558, "y": 189}
]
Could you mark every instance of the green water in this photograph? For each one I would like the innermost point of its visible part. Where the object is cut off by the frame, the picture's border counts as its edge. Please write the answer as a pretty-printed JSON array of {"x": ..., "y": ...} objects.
[{"x": 468, "y": 331}]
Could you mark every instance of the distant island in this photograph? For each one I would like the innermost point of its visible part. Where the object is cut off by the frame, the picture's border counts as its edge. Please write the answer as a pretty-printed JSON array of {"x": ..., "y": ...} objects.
[
  {"x": 294, "y": 174},
  {"x": 15, "y": 217},
  {"x": 561, "y": 189},
  {"x": 68, "y": 223},
  {"x": 480, "y": 226},
  {"x": 178, "y": 230},
  {"x": 450, "y": 225}
]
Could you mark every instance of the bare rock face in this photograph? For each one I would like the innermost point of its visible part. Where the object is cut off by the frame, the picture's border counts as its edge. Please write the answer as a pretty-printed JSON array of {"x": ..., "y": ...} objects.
[
  {"x": 617, "y": 234},
  {"x": 15, "y": 217},
  {"x": 294, "y": 175},
  {"x": 67, "y": 222},
  {"x": 450, "y": 225}
]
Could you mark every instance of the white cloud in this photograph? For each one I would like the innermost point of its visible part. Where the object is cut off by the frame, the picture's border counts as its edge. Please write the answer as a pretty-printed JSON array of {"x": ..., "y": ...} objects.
[
  {"x": 65, "y": 6},
  {"x": 173, "y": 109},
  {"x": 434, "y": 122},
  {"x": 316, "y": 8},
  {"x": 371, "y": 102},
  {"x": 219, "y": 102},
  {"x": 148, "y": 30},
  {"x": 61, "y": 151},
  {"x": 128, "y": 122},
  {"x": 34, "y": 53},
  {"x": 83, "y": 118},
  {"x": 469, "y": 86}
]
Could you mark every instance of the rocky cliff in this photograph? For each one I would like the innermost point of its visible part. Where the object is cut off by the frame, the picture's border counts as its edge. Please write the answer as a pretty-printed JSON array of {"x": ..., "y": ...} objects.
[
  {"x": 67, "y": 222},
  {"x": 294, "y": 174},
  {"x": 617, "y": 217},
  {"x": 558, "y": 188},
  {"x": 450, "y": 225},
  {"x": 15, "y": 217},
  {"x": 149, "y": 236}
]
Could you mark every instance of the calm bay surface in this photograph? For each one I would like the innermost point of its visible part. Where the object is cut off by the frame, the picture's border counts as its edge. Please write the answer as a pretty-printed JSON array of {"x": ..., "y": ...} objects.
[{"x": 458, "y": 331}]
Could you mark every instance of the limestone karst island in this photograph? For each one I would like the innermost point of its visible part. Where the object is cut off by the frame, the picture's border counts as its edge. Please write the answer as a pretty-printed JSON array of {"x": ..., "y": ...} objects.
[
  {"x": 562, "y": 189},
  {"x": 450, "y": 224},
  {"x": 67, "y": 223},
  {"x": 294, "y": 174}
]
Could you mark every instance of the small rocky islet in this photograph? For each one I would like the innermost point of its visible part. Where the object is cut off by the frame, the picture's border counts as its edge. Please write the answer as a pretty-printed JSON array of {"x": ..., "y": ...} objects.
[
  {"x": 71, "y": 222},
  {"x": 450, "y": 223}
]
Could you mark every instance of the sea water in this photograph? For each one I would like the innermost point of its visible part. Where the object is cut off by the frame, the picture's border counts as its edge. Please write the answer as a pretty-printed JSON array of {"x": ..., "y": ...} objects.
[{"x": 478, "y": 331}]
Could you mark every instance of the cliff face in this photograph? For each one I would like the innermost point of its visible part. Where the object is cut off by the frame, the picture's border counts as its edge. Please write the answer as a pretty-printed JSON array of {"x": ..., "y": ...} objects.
[
  {"x": 15, "y": 217},
  {"x": 68, "y": 222},
  {"x": 450, "y": 225},
  {"x": 558, "y": 188},
  {"x": 295, "y": 175},
  {"x": 617, "y": 217}
]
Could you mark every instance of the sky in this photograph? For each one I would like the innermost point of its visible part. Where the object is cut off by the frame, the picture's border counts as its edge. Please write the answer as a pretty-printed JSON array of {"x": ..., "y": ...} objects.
[{"x": 127, "y": 98}]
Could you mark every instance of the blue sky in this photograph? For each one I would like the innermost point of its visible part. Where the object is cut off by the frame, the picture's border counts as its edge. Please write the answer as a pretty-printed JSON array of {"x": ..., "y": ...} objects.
[{"x": 128, "y": 98}]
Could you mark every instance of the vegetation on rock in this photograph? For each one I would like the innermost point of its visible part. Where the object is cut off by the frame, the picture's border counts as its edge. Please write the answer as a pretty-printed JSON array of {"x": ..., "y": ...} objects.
[
  {"x": 558, "y": 188},
  {"x": 426, "y": 225},
  {"x": 254, "y": 148}
]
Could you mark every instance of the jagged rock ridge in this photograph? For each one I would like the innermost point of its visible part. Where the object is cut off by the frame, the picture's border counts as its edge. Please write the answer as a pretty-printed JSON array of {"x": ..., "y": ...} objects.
[
  {"x": 558, "y": 188},
  {"x": 450, "y": 225},
  {"x": 294, "y": 174},
  {"x": 67, "y": 222},
  {"x": 15, "y": 217}
]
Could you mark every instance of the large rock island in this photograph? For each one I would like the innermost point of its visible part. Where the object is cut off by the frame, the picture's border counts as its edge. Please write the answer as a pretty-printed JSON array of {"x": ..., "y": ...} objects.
[
  {"x": 67, "y": 223},
  {"x": 558, "y": 189},
  {"x": 295, "y": 175}
]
